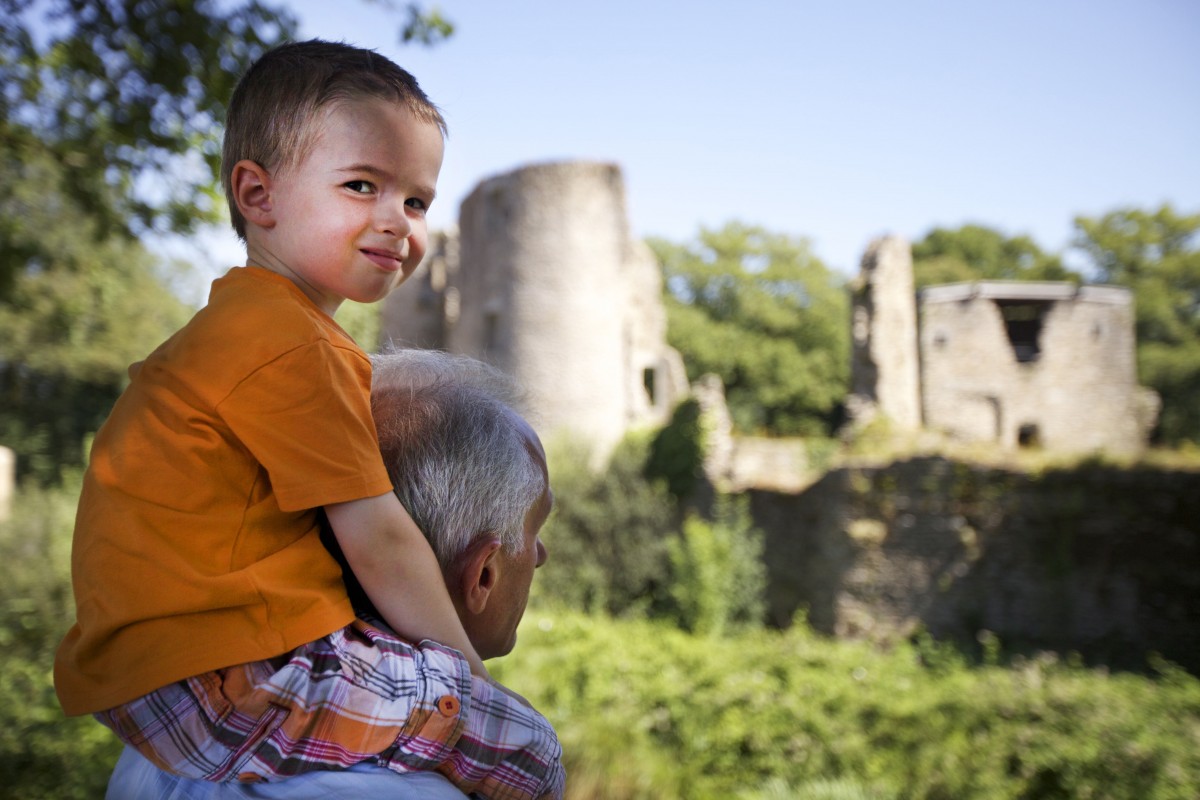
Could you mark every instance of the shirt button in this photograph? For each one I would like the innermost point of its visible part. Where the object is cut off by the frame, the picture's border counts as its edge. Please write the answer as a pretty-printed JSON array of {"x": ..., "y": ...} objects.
[
  {"x": 249, "y": 777},
  {"x": 448, "y": 705}
]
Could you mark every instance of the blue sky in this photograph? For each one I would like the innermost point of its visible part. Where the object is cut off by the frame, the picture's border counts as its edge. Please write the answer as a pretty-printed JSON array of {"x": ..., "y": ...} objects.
[{"x": 834, "y": 121}]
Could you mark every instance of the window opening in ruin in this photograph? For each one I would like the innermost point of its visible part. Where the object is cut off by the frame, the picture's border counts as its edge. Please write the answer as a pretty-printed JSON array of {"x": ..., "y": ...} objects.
[
  {"x": 491, "y": 331},
  {"x": 648, "y": 377},
  {"x": 1023, "y": 323},
  {"x": 1028, "y": 435}
]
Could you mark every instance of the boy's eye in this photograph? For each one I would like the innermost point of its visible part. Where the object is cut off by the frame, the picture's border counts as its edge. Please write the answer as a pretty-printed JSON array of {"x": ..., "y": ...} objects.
[
  {"x": 360, "y": 187},
  {"x": 417, "y": 203}
]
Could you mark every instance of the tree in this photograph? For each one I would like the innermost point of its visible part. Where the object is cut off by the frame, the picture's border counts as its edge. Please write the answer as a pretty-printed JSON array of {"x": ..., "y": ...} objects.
[
  {"x": 759, "y": 310},
  {"x": 82, "y": 307},
  {"x": 129, "y": 96},
  {"x": 975, "y": 252},
  {"x": 1157, "y": 255}
]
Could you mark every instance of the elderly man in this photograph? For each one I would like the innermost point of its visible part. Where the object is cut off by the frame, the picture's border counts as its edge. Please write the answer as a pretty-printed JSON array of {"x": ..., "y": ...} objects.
[{"x": 472, "y": 473}]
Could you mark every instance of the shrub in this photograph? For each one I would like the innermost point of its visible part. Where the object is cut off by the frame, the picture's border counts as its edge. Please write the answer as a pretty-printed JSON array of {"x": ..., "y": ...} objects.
[
  {"x": 718, "y": 578},
  {"x": 607, "y": 537},
  {"x": 44, "y": 754},
  {"x": 647, "y": 711}
]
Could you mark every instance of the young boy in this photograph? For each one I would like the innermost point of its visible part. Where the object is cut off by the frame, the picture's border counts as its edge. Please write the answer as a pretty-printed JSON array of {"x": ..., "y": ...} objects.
[{"x": 208, "y": 610}]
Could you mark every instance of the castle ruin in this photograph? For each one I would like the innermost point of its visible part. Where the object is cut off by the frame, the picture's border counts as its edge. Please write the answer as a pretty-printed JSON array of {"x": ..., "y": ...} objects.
[
  {"x": 1015, "y": 363},
  {"x": 544, "y": 281}
]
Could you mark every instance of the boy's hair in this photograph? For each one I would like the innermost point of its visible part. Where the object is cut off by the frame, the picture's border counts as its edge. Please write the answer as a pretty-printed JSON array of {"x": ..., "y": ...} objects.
[{"x": 272, "y": 111}]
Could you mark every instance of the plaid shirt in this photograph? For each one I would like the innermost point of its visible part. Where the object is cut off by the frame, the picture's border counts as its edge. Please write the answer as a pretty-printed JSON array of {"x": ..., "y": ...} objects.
[{"x": 359, "y": 694}]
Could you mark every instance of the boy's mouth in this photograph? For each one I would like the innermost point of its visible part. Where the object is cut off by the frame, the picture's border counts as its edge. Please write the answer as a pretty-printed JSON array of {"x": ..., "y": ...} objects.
[{"x": 384, "y": 259}]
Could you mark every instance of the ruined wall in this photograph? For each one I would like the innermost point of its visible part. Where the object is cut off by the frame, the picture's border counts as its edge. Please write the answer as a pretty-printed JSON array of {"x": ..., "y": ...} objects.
[
  {"x": 545, "y": 282},
  {"x": 424, "y": 308},
  {"x": 1100, "y": 560},
  {"x": 1044, "y": 364},
  {"x": 884, "y": 370}
]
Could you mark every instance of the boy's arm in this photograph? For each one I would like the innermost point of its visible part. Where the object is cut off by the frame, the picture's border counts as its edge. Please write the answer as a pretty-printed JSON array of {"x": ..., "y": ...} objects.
[{"x": 399, "y": 572}]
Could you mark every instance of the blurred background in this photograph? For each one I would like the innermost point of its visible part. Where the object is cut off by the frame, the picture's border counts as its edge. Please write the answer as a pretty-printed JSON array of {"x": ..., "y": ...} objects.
[{"x": 871, "y": 609}]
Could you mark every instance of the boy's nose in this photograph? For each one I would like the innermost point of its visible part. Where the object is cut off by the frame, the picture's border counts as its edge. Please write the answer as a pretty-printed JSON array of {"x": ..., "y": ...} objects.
[{"x": 392, "y": 217}]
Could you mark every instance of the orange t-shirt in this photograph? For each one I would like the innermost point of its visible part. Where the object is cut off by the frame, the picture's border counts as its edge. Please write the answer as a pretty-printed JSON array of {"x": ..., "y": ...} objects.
[{"x": 196, "y": 540}]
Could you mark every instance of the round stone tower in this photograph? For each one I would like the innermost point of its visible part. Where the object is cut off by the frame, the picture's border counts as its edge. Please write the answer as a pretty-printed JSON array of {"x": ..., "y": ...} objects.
[{"x": 545, "y": 290}]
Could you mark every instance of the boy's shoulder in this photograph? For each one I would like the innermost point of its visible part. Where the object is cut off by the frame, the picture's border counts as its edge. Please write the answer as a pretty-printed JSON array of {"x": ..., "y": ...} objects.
[
  {"x": 259, "y": 305},
  {"x": 253, "y": 317}
]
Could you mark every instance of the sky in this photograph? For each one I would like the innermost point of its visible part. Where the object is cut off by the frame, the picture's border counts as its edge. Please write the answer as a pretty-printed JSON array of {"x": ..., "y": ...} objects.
[{"x": 832, "y": 121}]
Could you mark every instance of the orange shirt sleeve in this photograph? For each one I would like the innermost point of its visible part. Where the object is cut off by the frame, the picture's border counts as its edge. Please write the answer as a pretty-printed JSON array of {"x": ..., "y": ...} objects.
[{"x": 306, "y": 418}]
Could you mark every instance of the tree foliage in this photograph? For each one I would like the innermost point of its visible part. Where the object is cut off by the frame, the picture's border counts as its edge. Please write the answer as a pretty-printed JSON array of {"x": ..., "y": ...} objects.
[
  {"x": 609, "y": 531},
  {"x": 979, "y": 253},
  {"x": 81, "y": 308},
  {"x": 129, "y": 96},
  {"x": 1157, "y": 255},
  {"x": 759, "y": 310}
]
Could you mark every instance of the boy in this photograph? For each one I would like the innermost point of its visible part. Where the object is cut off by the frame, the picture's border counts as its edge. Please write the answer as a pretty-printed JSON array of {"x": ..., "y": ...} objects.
[{"x": 207, "y": 606}]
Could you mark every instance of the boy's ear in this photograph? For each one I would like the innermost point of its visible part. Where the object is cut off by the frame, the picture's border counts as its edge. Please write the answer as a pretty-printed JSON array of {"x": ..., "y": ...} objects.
[
  {"x": 252, "y": 188},
  {"x": 480, "y": 573}
]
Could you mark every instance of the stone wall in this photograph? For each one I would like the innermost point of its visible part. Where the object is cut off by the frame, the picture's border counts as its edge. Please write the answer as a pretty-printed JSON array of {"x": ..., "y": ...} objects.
[
  {"x": 1099, "y": 560},
  {"x": 884, "y": 370},
  {"x": 1046, "y": 364}
]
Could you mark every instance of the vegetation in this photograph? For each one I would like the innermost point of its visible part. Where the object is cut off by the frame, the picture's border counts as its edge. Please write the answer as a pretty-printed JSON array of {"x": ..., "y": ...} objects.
[
  {"x": 759, "y": 310},
  {"x": 976, "y": 252},
  {"x": 647, "y": 710}
]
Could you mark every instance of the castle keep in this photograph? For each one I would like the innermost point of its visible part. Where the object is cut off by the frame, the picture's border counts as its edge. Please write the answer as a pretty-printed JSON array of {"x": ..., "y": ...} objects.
[{"x": 544, "y": 281}]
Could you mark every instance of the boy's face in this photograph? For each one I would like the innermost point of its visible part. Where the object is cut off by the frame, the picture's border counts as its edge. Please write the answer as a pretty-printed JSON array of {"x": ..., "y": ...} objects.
[{"x": 348, "y": 220}]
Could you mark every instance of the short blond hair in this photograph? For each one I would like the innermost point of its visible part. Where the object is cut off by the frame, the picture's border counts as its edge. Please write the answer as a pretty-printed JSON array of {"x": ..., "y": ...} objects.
[{"x": 276, "y": 103}]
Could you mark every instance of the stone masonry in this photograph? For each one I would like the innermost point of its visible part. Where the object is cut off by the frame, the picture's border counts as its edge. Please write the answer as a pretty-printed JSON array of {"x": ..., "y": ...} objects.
[
  {"x": 1014, "y": 363},
  {"x": 884, "y": 338},
  {"x": 1045, "y": 364},
  {"x": 545, "y": 282}
]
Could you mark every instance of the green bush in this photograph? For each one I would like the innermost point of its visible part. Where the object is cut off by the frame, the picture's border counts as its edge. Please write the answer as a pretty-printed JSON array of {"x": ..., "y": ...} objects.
[
  {"x": 718, "y": 578},
  {"x": 607, "y": 537},
  {"x": 44, "y": 754},
  {"x": 647, "y": 711},
  {"x": 676, "y": 453}
]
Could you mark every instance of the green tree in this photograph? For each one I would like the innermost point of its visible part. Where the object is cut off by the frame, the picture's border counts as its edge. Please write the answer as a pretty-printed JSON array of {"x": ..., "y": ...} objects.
[
  {"x": 1157, "y": 255},
  {"x": 609, "y": 531},
  {"x": 82, "y": 308},
  {"x": 129, "y": 96},
  {"x": 975, "y": 252},
  {"x": 763, "y": 313}
]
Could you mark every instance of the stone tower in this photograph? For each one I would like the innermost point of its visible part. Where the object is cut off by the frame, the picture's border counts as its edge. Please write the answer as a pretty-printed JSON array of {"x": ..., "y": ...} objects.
[
  {"x": 545, "y": 282},
  {"x": 885, "y": 372}
]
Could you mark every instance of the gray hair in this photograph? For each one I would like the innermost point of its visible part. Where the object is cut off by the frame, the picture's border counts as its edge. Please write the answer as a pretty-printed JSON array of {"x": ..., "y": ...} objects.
[{"x": 455, "y": 449}]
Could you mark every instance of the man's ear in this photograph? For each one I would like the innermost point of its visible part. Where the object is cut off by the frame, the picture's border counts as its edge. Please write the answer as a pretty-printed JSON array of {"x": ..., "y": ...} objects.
[
  {"x": 252, "y": 188},
  {"x": 480, "y": 573}
]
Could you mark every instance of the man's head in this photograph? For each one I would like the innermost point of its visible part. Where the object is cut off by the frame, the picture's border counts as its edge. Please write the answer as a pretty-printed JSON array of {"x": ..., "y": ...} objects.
[
  {"x": 472, "y": 474},
  {"x": 275, "y": 109}
]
